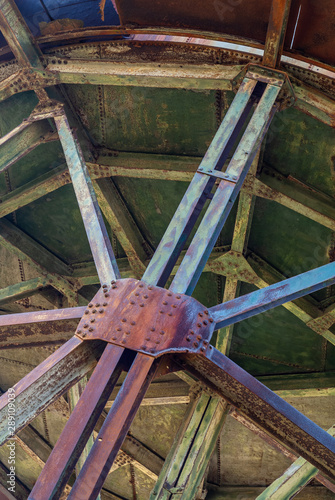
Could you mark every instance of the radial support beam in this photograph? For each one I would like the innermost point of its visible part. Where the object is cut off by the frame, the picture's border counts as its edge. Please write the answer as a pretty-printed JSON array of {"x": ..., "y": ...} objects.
[
  {"x": 294, "y": 479},
  {"x": 264, "y": 408},
  {"x": 275, "y": 36},
  {"x": 18, "y": 36},
  {"x": 122, "y": 224},
  {"x": 94, "y": 225},
  {"x": 273, "y": 296},
  {"x": 49, "y": 380}
]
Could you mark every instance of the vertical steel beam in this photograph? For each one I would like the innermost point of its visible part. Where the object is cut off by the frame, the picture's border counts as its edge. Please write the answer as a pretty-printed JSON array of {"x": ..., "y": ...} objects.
[
  {"x": 275, "y": 36},
  {"x": 94, "y": 225}
]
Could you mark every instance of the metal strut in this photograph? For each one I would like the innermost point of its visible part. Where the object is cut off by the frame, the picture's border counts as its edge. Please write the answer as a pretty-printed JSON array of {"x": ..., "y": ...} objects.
[{"x": 137, "y": 326}]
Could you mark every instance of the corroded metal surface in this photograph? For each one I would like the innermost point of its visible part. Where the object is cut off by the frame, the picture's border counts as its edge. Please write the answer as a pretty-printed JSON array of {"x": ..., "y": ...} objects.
[{"x": 149, "y": 319}]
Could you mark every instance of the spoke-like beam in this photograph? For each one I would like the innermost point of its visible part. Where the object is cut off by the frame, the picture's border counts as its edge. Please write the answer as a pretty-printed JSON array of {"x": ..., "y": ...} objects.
[
  {"x": 275, "y": 36},
  {"x": 22, "y": 290},
  {"x": 94, "y": 225},
  {"x": 264, "y": 408},
  {"x": 18, "y": 36},
  {"x": 122, "y": 224},
  {"x": 273, "y": 296},
  {"x": 49, "y": 380}
]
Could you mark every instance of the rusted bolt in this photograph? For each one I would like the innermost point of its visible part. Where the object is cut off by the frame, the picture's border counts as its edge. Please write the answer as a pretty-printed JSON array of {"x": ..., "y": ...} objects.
[
  {"x": 206, "y": 312},
  {"x": 152, "y": 329},
  {"x": 101, "y": 311},
  {"x": 203, "y": 349},
  {"x": 92, "y": 320},
  {"x": 211, "y": 320},
  {"x": 174, "y": 305},
  {"x": 145, "y": 296},
  {"x": 137, "y": 294},
  {"x": 161, "y": 312},
  {"x": 178, "y": 297},
  {"x": 124, "y": 341},
  {"x": 164, "y": 303},
  {"x": 162, "y": 332},
  {"x": 149, "y": 287},
  {"x": 169, "y": 314},
  {"x": 104, "y": 285},
  {"x": 140, "y": 285},
  {"x": 199, "y": 325},
  {"x": 78, "y": 331},
  {"x": 90, "y": 329},
  {"x": 127, "y": 333},
  {"x": 87, "y": 311},
  {"x": 199, "y": 337},
  {"x": 105, "y": 304},
  {"x": 94, "y": 311},
  {"x": 97, "y": 304},
  {"x": 113, "y": 281},
  {"x": 86, "y": 325},
  {"x": 205, "y": 322},
  {"x": 201, "y": 315},
  {"x": 169, "y": 294},
  {"x": 141, "y": 305},
  {"x": 196, "y": 344},
  {"x": 124, "y": 320},
  {"x": 132, "y": 302},
  {"x": 191, "y": 332},
  {"x": 152, "y": 351},
  {"x": 113, "y": 286},
  {"x": 147, "y": 339},
  {"x": 188, "y": 338},
  {"x": 132, "y": 323},
  {"x": 119, "y": 329},
  {"x": 106, "y": 295},
  {"x": 157, "y": 342},
  {"x": 113, "y": 338},
  {"x": 84, "y": 334}
]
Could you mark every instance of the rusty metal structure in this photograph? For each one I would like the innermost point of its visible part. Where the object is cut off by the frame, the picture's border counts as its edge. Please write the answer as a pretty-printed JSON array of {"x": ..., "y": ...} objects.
[{"x": 144, "y": 321}]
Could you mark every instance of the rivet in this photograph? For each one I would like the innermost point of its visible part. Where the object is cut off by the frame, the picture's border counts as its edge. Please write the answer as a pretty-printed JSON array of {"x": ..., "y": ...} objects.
[
  {"x": 87, "y": 311},
  {"x": 94, "y": 311},
  {"x": 211, "y": 320},
  {"x": 105, "y": 304},
  {"x": 203, "y": 349},
  {"x": 191, "y": 332},
  {"x": 85, "y": 326},
  {"x": 199, "y": 337},
  {"x": 141, "y": 305},
  {"x": 157, "y": 342},
  {"x": 127, "y": 333},
  {"x": 164, "y": 303},
  {"x": 90, "y": 329},
  {"x": 178, "y": 297},
  {"x": 92, "y": 320},
  {"x": 162, "y": 332},
  {"x": 132, "y": 323},
  {"x": 114, "y": 286},
  {"x": 119, "y": 329},
  {"x": 199, "y": 325},
  {"x": 143, "y": 347},
  {"x": 169, "y": 314},
  {"x": 152, "y": 329},
  {"x": 161, "y": 312},
  {"x": 152, "y": 351},
  {"x": 90, "y": 305},
  {"x": 113, "y": 338},
  {"x": 169, "y": 294},
  {"x": 124, "y": 320},
  {"x": 147, "y": 339},
  {"x": 137, "y": 294},
  {"x": 84, "y": 334},
  {"x": 174, "y": 305},
  {"x": 196, "y": 344},
  {"x": 124, "y": 341},
  {"x": 97, "y": 304},
  {"x": 140, "y": 285},
  {"x": 78, "y": 331},
  {"x": 201, "y": 315},
  {"x": 104, "y": 285},
  {"x": 113, "y": 281},
  {"x": 205, "y": 342},
  {"x": 106, "y": 295},
  {"x": 149, "y": 287},
  {"x": 188, "y": 338},
  {"x": 205, "y": 322},
  {"x": 145, "y": 296},
  {"x": 206, "y": 312},
  {"x": 132, "y": 302}
]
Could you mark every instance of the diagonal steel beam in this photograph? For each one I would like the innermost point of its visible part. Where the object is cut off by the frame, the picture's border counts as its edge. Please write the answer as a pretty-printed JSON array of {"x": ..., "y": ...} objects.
[
  {"x": 122, "y": 224},
  {"x": 94, "y": 225},
  {"x": 18, "y": 35}
]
